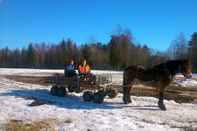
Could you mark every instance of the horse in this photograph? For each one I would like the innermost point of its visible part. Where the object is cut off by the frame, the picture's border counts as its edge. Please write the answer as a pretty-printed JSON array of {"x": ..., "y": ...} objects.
[{"x": 158, "y": 76}]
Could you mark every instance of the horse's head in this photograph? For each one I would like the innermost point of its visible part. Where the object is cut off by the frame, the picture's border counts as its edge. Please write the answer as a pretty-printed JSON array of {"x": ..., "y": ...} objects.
[{"x": 185, "y": 68}]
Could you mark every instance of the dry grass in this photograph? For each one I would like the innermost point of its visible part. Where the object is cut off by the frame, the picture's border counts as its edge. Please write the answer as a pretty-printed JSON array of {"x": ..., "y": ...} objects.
[{"x": 44, "y": 125}]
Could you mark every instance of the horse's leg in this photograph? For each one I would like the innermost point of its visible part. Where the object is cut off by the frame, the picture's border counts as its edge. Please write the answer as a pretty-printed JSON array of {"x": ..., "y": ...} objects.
[
  {"x": 126, "y": 94},
  {"x": 129, "y": 91},
  {"x": 161, "y": 98}
]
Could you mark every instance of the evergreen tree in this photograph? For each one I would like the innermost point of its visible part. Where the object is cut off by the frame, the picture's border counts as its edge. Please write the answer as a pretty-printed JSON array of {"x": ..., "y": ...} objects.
[
  {"x": 193, "y": 50},
  {"x": 31, "y": 56}
]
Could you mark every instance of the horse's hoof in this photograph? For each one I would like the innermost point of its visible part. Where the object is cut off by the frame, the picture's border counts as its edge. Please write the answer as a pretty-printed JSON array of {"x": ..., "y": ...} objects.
[
  {"x": 126, "y": 102},
  {"x": 163, "y": 108}
]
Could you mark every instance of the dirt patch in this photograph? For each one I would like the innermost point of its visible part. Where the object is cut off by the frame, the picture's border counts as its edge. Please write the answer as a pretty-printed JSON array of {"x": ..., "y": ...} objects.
[
  {"x": 68, "y": 120},
  {"x": 36, "y": 102},
  {"x": 18, "y": 125},
  {"x": 40, "y": 80},
  {"x": 176, "y": 94},
  {"x": 173, "y": 92}
]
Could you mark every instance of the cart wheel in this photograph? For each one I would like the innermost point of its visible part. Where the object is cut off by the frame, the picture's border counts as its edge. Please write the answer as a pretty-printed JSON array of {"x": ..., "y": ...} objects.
[
  {"x": 99, "y": 97},
  {"x": 112, "y": 93},
  {"x": 88, "y": 96},
  {"x": 61, "y": 91},
  {"x": 70, "y": 88},
  {"x": 53, "y": 90},
  {"x": 77, "y": 89},
  {"x": 74, "y": 88}
]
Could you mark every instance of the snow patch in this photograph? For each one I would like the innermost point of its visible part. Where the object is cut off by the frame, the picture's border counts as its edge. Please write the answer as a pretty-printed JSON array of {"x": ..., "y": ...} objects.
[
  {"x": 187, "y": 83},
  {"x": 142, "y": 115}
]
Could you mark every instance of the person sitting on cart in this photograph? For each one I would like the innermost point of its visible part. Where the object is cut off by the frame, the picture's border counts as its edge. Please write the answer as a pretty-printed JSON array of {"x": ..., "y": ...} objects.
[
  {"x": 69, "y": 70},
  {"x": 84, "y": 70}
]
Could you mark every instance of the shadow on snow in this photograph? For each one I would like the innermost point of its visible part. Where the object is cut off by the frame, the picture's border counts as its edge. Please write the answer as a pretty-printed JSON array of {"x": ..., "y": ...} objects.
[{"x": 70, "y": 101}]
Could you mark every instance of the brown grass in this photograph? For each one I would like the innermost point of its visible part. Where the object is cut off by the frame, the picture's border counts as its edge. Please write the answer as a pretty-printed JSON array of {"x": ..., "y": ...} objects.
[{"x": 17, "y": 125}]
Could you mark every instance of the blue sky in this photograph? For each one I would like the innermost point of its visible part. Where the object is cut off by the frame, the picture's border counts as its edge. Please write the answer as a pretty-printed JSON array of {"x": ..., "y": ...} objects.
[{"x": 152, "y": 22}]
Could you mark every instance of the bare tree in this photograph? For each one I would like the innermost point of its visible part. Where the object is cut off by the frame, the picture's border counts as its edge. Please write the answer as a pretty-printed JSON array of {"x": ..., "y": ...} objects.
[{"x": 179, "y": 47}]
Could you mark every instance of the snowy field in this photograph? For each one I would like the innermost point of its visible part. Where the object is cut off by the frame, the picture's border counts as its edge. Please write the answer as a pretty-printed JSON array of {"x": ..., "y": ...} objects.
[
  {"x": 44, "y": 72},
  {"x": 116, "y": 75},
  {"x": 72, "y": 114}
]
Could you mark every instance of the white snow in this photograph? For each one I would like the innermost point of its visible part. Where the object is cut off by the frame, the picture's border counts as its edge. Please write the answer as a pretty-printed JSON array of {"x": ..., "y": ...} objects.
[
  {"x": 183, "y": 82},
  {"x": 45, "y": 72},
  {"x": 187, "y": 83},
  {"x": 141, "y": 115},
  {"x": 28, "y": 72}
]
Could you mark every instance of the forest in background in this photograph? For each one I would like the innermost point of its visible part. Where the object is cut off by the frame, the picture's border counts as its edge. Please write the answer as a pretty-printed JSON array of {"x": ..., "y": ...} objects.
[{"x": 120, "y": 52}]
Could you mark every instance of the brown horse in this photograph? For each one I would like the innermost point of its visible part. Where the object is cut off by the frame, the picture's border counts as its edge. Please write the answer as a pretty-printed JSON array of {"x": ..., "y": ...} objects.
[{"x": 159, "y": 76}]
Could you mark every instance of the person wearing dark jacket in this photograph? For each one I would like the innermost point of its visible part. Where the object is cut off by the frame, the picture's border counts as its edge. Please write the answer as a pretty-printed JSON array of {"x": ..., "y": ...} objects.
[{"x": 69, "y": 70}]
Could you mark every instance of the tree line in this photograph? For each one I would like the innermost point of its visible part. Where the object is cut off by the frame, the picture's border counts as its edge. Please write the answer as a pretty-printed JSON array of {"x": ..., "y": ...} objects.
[
  {"x": 181, "y": 48},
  {"x": 120, "y": 52}
]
